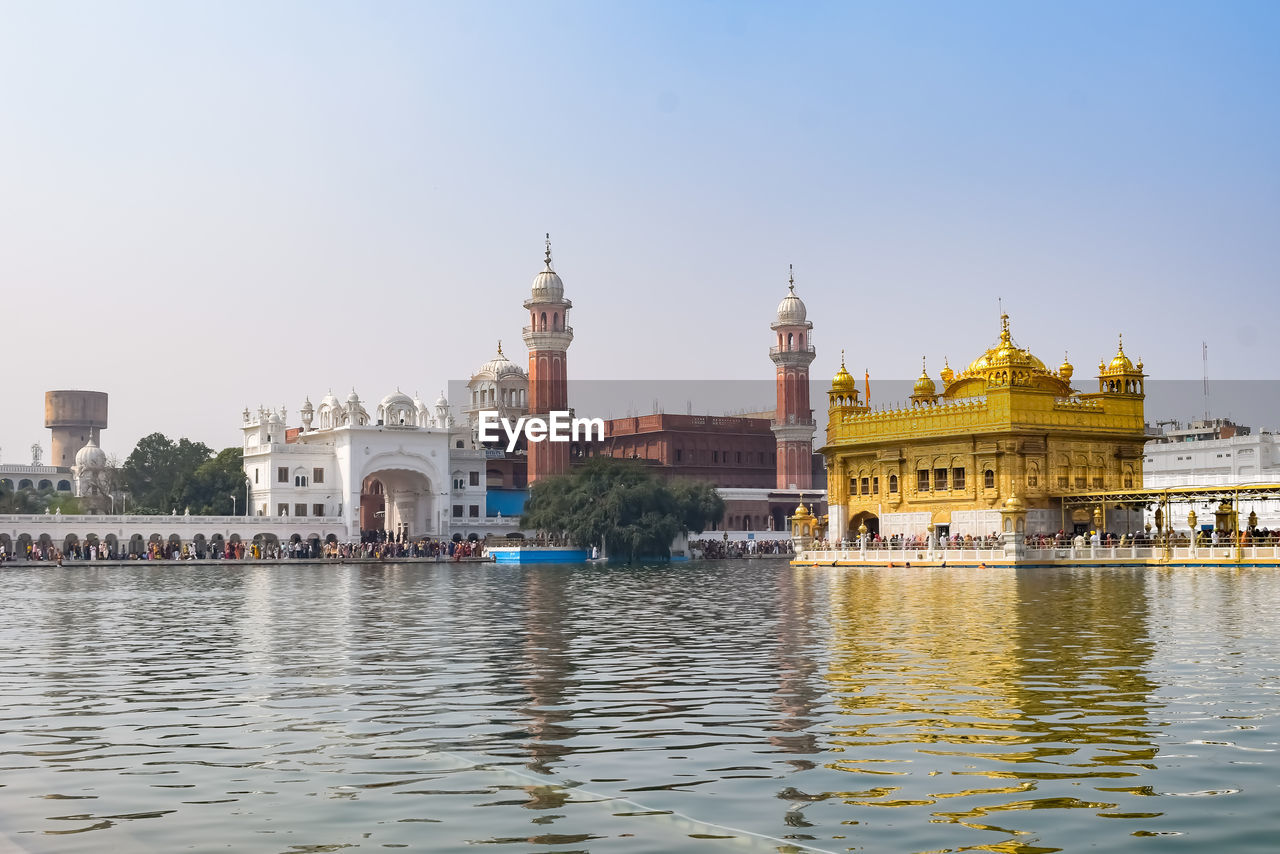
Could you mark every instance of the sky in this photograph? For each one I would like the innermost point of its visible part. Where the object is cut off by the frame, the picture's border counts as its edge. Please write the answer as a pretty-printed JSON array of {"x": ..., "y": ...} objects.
[{"x": 208, "y": 206}]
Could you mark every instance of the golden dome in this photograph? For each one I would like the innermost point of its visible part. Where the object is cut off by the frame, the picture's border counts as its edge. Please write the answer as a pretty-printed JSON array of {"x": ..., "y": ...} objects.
[
  {"x": 1005, "y": 354},
  {"x": 1065, "y": 370},
  {"x": 1120, "y": 364},
  {"x": 1005, "y": 364},
  {"x": 802, "y": 512},
  {"x": 1015, "y": 504},
  {"x": 843, "y": 381},
  {"x": 924, "y": 386},
  {"x": 946, "y": 373}
]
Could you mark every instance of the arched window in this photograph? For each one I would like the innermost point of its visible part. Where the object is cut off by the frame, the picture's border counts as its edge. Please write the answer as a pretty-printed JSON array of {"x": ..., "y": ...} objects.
[
  {"x": 24, "y": 484},
  {"x": 64, "y": 486},
  {"x": 893, "y": 484},
  {"x": 790, "y": 340},
  {"x": 300, "y": 480},
  {"x": 988, "y": 479},
  {"x": 543, "y": 327},
  {"x": 46, "y": 484},
  {"x": 555, "y": 320}
]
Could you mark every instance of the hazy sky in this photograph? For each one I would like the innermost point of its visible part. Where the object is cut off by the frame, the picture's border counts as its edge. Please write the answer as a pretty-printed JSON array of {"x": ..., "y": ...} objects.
[{"x": 205, "y": 206}]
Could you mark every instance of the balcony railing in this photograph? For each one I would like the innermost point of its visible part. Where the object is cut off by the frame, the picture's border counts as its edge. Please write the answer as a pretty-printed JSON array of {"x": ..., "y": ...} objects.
[
  {"x": 568, "y": 329},
  {"x": 773, "y": 351}
]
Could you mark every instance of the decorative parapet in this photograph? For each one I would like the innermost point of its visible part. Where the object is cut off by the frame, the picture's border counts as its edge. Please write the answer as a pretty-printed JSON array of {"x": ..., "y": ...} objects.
[
  {"x": 946, "y": 417},
  {"x": 1077, "y": 404}
]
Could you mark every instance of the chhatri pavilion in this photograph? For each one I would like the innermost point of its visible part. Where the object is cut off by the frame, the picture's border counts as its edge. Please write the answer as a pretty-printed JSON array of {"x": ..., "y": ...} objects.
[{"x": 1005, "y": 426}]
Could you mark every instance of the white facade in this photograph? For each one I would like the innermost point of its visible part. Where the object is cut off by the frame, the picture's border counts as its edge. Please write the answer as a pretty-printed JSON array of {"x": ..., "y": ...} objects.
[
  {"x": 1184, "y": 457},
  {"x": 405, "y": 470},
  {"x": 1211, "y": 462}
]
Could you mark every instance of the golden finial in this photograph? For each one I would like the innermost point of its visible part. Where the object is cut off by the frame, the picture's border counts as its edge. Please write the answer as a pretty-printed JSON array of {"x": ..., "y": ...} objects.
[
  {"x": 500, "y": 348},
  {"x": 924, "y": 367},
  {"x": 548, "y": 260},
  {"x": 1004, "y": 329},
  {"x": 791, "y": 277},
  {"x": 1120, "y": 346}
]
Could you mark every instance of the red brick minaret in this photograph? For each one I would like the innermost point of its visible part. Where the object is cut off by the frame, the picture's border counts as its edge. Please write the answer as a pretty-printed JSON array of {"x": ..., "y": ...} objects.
[
  {"x": 548, "y": 337},
  {"x": 793, "y": 420}
]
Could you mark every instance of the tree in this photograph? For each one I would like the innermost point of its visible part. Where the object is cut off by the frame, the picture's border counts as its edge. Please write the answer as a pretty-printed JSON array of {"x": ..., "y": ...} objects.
[
  {"x": 621, "y": 506},
  {"x": 211, "y": 490},
  {"x": 163, "y": 475}
]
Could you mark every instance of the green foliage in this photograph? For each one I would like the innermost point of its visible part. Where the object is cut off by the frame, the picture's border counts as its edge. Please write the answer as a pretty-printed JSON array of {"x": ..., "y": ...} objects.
[
  {"x": 30, "y": 501},
  {"x": 619, "y": 504},
  {"x": 209, "y": 490},
  {"x": 162, "y": 476}
]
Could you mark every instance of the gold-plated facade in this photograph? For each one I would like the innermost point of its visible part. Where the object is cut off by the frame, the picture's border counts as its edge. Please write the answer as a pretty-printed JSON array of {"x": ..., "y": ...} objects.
[{"x": 1006, "y": 425}]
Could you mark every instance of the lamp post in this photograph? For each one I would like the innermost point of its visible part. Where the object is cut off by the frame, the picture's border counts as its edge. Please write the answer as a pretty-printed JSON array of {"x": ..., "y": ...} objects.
[{"x": 233, "y": 504}]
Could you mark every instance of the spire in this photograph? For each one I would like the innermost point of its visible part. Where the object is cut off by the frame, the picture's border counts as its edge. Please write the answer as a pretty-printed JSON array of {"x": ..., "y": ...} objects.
[
  {"x": 500, "y": 349},
  {"x": 1005, "y": 338},
  {"x": 791, "y": 277},
  {"x": 548, "y": 258},
  {"x": 1120, "y": 346}
]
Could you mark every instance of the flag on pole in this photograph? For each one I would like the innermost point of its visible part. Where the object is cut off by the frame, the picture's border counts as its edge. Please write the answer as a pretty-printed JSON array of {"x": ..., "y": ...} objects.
[{"x": 867, "y": 386}]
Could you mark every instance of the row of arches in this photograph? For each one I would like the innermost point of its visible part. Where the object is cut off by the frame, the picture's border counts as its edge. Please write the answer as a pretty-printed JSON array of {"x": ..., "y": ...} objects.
[
  {"x": 540, "y": 322},
  {"x": 792, "y": 341},
  {"x": 28, "y": 483},
  {"x": 1127, "y": 385}
]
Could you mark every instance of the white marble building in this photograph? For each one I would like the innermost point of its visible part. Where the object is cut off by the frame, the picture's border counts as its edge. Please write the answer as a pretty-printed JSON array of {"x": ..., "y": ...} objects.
[
  {"x": 1213, "y": 453},
  {"x": 404, "y": 469}
]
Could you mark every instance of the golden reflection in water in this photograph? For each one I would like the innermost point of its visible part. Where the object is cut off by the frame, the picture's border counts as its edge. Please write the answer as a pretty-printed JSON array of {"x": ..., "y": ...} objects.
[{"x": 1034, "y": 678}]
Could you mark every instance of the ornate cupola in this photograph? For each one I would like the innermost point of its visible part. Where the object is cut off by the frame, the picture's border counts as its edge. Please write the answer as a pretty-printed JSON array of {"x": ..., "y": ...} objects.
[
  {"x": 844, "y": 389},
  {"x": 1121, "y": 376},
  {"x": 948, "y": 375},
  {"x": 1065, "y": 370},
  {"x": 925, "y": 392}
]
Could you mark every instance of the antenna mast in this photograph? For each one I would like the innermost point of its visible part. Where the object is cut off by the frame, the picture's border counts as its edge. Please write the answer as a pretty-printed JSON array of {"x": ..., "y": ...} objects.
[{"x": 1204, "y": 358}]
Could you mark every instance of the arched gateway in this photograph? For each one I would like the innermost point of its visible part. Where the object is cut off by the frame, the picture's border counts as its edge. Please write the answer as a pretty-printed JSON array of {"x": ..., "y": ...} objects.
[{"x": 399, "y": 495}]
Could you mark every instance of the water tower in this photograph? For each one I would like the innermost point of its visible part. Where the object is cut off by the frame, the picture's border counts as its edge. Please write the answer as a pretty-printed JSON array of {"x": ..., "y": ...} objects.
[{"x": 74, "y": 417}]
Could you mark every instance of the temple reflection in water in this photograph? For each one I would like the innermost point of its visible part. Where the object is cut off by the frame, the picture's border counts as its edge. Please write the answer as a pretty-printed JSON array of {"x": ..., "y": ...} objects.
[{"x": 971, "y": 693}]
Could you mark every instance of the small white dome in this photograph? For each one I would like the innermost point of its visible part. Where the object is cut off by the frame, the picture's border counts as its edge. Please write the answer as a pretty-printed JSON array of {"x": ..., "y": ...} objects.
[
  {"x": 500, "y": 366},
  {"x": 548, "y": 286},
  {"x": 442, "y": 402},
  {"x": 353, "y": 399},
  {"x": 306, "y": 405},
  {"x": 91, "y": 456},
  {"x": 329, "y": 400},
  {"x": 397, "y": 399},
  {"x": 791, "y": 310}
]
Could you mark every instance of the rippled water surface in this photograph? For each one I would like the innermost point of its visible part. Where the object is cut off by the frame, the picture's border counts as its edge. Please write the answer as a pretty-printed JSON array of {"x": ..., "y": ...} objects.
[{"x": 714, "y": 706}]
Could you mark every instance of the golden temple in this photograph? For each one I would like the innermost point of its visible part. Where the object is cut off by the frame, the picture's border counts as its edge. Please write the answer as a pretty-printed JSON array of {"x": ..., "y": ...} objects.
[{"x": 1005, "y": 427}]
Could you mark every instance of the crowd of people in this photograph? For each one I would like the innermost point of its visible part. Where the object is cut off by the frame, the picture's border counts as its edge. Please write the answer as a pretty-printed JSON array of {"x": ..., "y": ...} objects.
[
  {"x": 1062, "y": 540},
  {"x": 718, "y": 549},
  {"x": 372, "y": 546}
]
